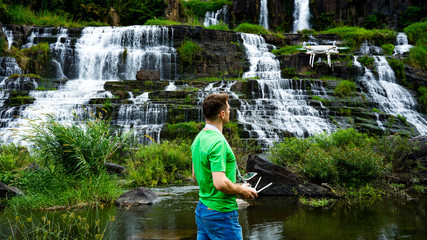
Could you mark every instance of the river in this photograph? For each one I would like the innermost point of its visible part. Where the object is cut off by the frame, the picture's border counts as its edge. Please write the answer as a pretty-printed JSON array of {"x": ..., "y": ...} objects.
[{"x": 267, "y": 218}]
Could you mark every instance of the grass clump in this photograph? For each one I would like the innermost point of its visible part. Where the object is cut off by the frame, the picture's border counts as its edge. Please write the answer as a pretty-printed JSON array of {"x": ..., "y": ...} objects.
[
  {"x": 168, "y": 162},
  {"x": 398, "y": 68},
  {"x": 423, "y": 95},
  {"x": 79, "y": 149},
  {"x": 220, "y": 26},
  {"x": 251, "y": 28},
  {"x": 344, "y": 88},
  {"x": 187, "y": 51},
  {"x": 161, "y": 21},
  {"x": 345, "y": 157},
  {"x": 287, "y": 50},
  {"x": 184, "y": 130},
  {"x": 355, "y": 36},
  {"x": 417, "y": 34},
  {"x": 367, "y": 61},
  {"x": 24, "y": 15},
  {"x": 388, "y": 48}
]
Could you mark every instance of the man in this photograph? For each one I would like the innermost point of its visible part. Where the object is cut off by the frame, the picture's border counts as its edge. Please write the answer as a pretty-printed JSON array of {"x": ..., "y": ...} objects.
[{"x": 214, "y": 169}]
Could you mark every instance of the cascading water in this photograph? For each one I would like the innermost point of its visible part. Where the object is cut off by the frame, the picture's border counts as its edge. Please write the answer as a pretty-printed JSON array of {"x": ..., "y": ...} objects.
[
  {"x": 281, "y": 104},
  {"x": 263, "y": 14},
  {"x": 390, "y": 96},
  {"x": 301, "y": 15},
  {"x": 99, "y": 57},
  {"x": 213, "y": 18},
  {"x": 9, "y": 36},
  {"x": 402, "y": 45}
]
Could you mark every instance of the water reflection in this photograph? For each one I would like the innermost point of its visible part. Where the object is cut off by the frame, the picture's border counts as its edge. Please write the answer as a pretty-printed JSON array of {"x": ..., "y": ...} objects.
[{"x": 268, "y": 218}]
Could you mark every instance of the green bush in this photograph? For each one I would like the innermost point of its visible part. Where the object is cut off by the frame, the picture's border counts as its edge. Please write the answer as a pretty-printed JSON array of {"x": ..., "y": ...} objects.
[
  {"x": 411, "y": 15},
  {"x": 423, "y": 95},
  {"x": 287, "y": 50},
  {"x": 199, "y": 8},
  {"x": 343, "y": 157},
  {"x": 396, "y": 149},
  {"x": 388, "y": 48},
  {"x": 185, "y": 130},
  {"x": 79, "y": 149},
  {"x": 162, "y": 22},
  {"x": 187, "y": 51},
  {"x": 251, "y": 28},
  {"x": 163, "y": 163},
  {"x": 345, "y": 88},
  {"x": 220, "y": 26},
  {"x": 367, "y": 61},
  {"x": 13, "y": 157},
  {"x": 417, "y": 33},
  {"x": 418, "y": 57},
  {"x": 398, "y": 68}
]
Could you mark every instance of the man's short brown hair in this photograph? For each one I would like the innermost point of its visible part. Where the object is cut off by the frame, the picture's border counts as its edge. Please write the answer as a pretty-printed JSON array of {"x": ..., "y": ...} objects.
[{"x": 214, "y": 104}]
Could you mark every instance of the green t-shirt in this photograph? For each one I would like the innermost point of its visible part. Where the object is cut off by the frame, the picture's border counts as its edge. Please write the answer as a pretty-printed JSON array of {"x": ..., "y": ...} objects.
[{"x": 211, "y": 153}]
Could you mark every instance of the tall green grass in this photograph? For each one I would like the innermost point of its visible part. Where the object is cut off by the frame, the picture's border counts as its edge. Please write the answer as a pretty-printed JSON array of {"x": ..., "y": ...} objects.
[
  {"x": 24, "y": 15},
  {"x": 162, "y": 22},
  {"x": 199, "y": 8},
  {"x": 168, "y": 162},
  {"x": 287, "y": 50},
  {"x": 187, "y": 51},
  {"x": 80, "y": 148},
  {"x": 251, "y": 28},
  {"x": 345, "y": 157}
]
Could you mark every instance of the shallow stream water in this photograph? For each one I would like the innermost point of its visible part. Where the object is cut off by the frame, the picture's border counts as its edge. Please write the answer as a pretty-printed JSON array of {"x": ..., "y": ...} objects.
[{"x": 268, "y": 218}]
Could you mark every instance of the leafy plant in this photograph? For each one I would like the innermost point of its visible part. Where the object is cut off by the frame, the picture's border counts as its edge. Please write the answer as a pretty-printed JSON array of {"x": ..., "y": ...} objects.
[
  {"x": 80, "y": 148},
  {"x": 388, "y": 48},
  {"x": 344, "y": 88},
  {"x": 251, "y": 28},
  {"x": 199, "y": 8},
  {"x": 287, "y": 50},
  {"x": 187, "y": 51},
  {"x": 220, "y": 26}
]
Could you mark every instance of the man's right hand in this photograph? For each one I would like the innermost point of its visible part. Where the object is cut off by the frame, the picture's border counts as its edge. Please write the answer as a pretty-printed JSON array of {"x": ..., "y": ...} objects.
[{"x": 247, "y": 192}]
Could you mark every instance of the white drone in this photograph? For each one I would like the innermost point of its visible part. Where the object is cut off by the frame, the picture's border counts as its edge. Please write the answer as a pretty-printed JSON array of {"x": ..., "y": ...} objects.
[{"x": 320, "y": 49}]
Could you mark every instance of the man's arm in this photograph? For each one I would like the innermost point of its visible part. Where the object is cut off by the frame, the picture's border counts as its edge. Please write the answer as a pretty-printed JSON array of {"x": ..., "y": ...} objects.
[
  {"x": 223, "y": 184},
  {"x": 192, "y": 172}
]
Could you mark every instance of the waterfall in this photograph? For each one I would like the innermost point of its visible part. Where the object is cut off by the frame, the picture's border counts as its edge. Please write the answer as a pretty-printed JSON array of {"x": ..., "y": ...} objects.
[
  {"x": 282, "y": 104},
  {"x": 9, "y": 36},
  {"x": 62, "y": 52},
  {"x": 263, "y": 14},
  {"x": 301, "y": 15},
  {"x": 9, "y": 66},
  {"x": 99, "y": 57},
  {"x": 402, "y": 45},
  {"x": 213, "y": 18},
  {"x": 390, "y": 96}
]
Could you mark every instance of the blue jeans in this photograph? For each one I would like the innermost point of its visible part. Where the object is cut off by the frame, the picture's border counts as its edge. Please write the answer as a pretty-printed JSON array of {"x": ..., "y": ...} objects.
[{"x": 215, "y": 225}]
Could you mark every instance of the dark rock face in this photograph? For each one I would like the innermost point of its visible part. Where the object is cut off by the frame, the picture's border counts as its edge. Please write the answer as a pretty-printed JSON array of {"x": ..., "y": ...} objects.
[
  {"x": 153, "y": 75},
  {"x": 137, "y": 196},
  {"x": 285, "y": 182},
  {"x": 114, "y": 168},
  {"x": 6, "y": 191}
]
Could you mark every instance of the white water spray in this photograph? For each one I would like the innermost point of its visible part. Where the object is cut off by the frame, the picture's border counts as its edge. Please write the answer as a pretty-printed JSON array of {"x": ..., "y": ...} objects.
[
  {"x": 263, "y": 14},
  {"x": 301, "y": 15}
]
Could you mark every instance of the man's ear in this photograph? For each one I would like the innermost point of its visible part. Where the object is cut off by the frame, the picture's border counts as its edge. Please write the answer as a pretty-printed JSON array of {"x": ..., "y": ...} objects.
[{"x": 222, "y": 114}]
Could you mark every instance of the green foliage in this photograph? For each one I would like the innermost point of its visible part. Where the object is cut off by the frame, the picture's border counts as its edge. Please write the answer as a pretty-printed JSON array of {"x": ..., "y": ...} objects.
[
  {"x": 287, "y": 50},
  {"x": 251, "y": 28},
  {"x": 220, "y": 26},
  {"x": 24, "y": 15},
  {"x": 199, "y": 8},
  {"x": 12, "y": 157},
  {"x": 417, "y": 33},
  {"x": 411, "y": 15},
  {"x": 418, "y": 57},
  {"x": 139, "y": 11},
  {"x": 388, "y": 48},
  {"x": 325, "y": 21},
  {"x": 3, "y": 46},
  {"x": 367, "y": 61},
  {"x": 84, "y": 225},
  {"x": 398, "y": 68},
  {"x": 423, "y": 95},
  {"x": 317, "y": 98},
  {"x": 376, "y": 20},
  {"x": 355, "y": 36},
  {"x": 80, "y": 149},
  {"x": 163, "y": 163},
  {"x": 44, "y": 188},
  {"x": 396, "y": 149},
  {"x": 184, "y": 130},
  {"x": 343, "y": 157},
  {"x": 288, "y": 72},
  {"x": 160, "y": 21},
  {"x": 187, "y": 51},
  {"x": 313, "y": 202},
  {"x": 345, "y": 88}
]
